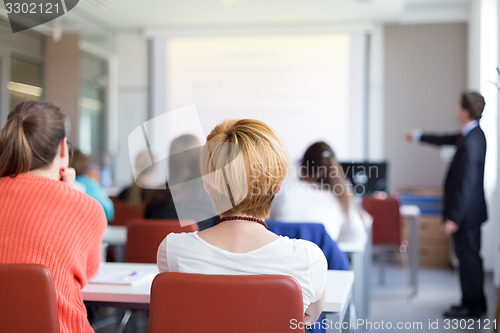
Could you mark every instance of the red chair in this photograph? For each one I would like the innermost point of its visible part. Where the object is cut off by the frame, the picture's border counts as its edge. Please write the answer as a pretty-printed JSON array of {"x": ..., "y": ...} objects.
[
  {"x": 193, "y": 303},
  {"x": 144, "y": 237},
  {"x": 29, "y": 302},
  {"x": 124, "y": 213},
  {"x": 386, "y": 228}
]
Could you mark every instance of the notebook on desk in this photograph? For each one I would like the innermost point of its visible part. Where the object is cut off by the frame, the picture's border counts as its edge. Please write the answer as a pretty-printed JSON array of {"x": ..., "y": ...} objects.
[{"x": 121, "y": 277}]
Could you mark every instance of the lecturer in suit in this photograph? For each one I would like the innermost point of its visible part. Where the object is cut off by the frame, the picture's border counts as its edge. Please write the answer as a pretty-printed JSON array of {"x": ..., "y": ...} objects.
[{"x": 464, "y": 201}]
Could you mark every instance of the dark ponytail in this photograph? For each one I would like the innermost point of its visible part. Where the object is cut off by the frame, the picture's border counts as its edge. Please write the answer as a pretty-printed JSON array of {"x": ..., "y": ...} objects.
[
  {"x": 31, "y": 137},
  {"x": 320, "y": 167}
]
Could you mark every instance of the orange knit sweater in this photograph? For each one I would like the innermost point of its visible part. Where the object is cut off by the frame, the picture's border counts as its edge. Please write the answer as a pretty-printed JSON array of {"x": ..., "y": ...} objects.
[{"x": 47, "y": 222}]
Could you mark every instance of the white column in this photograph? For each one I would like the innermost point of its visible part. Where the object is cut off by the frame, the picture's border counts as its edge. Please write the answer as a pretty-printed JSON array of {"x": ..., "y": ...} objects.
[
  {"x": 496, "y": 198},
  {"x": 483, "y": 56},
  {"x": 133, "y": 96},
  {"x": 376, "y": 112}
]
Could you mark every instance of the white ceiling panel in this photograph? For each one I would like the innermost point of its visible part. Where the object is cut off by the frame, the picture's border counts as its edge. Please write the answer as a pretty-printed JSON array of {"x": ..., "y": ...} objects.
[{"x": 133, "y": 14}]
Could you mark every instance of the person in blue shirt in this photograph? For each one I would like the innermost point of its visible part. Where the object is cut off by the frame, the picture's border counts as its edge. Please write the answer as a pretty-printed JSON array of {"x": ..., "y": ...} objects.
[{"x": 88, "y": 185}]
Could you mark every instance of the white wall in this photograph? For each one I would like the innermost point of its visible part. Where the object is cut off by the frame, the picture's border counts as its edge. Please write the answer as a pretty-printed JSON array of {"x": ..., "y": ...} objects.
[
  {"x": 425, "y": 71},
  {"x": 411, "y": 102},
  {"x": 62, "y": 78},
  {"x": 480, "y": 65},
  {"x": 311, "y": 80},
  {"x": 414, "y": 13},
  {"x": 133, "y": 97},
  {"x": 213, "y": 105},
  {"x": 495, "y": 213},
  {"x": 376, "y": 95}
]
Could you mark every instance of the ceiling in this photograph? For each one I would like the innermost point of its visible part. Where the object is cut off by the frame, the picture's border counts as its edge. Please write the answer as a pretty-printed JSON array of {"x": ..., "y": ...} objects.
[
  {"x": 219, "y": 13},
  {"x": 133, "y": 15},
  {"x": 437, "y": 2}
]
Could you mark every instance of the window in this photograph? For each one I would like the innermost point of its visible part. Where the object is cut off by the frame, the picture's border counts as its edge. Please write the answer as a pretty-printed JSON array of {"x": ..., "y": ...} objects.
[
  {"x": 92, "y": 104},
  {"x": 26, "y": 80}
]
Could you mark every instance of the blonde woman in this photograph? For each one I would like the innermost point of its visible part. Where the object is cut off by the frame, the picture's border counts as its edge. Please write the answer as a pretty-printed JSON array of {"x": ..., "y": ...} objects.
[{"x": 244, "y": 163}]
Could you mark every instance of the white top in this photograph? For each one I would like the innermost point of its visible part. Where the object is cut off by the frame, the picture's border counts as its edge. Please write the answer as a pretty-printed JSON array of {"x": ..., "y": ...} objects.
[
  {"x": 301, "y": 259},
  {"x": 300, "y": 201}
]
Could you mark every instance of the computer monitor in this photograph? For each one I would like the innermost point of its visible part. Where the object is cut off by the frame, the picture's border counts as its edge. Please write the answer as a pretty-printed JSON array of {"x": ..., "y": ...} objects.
[{"x": 366, "y": 177}]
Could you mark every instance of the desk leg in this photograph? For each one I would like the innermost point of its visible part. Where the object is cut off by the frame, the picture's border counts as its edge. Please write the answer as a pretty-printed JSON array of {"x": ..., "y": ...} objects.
[
  {"x": 414, "y": 256},
  {"x": 339, "y": 322},
  {"x": 359, "y": 292},
  {"x": 367, "y": 264},
  {"x": 347, "y": 317},
  {"x": 333, "y": 318},
  {"x": 360, "y": 262}
]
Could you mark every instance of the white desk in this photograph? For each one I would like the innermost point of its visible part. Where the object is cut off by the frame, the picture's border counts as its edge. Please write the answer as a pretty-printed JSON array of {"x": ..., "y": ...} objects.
[
  {"x": 360, "y": 253},
  {"x": 338, "y": 291},
  {"x": 338, "y": 298},
  {"x": 134, "y": 296},
  {"x": 115, "y": 235},
  {"x": 413, "y": 212}
]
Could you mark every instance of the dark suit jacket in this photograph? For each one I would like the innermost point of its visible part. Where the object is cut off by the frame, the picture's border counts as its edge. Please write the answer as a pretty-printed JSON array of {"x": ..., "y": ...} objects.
[{"x": 464, "y": 201}]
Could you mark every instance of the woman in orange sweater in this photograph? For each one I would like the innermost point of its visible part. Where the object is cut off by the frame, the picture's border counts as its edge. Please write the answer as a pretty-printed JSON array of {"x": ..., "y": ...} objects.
[{"x": 43, "y": 219}]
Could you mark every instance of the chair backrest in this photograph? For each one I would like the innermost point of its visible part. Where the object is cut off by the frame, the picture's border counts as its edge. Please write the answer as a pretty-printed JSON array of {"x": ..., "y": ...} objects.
[
  {"x": 28, "y": 300},
  {"x": 386, "y": 229},
  {"x": 144, "y": 237},
  {"x": 193, "y": 303},
  {"x": 316, "y": 233},
  {"x": 123, "y": 212}
]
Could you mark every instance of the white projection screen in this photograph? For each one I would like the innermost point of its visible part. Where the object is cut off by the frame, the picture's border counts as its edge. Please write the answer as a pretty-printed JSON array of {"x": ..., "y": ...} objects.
[{"x": 308, "y": 87}]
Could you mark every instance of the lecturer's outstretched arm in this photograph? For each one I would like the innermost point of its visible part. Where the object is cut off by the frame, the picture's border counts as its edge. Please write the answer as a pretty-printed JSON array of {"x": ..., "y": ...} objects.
[{"x": 433, "y": 139}]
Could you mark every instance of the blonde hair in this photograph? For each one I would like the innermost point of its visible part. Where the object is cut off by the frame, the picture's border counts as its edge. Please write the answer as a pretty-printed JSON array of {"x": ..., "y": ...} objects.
[{"x": 243, "y": 163}]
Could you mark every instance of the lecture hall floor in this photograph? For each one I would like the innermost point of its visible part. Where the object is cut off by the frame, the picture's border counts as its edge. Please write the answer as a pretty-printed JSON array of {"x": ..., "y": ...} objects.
[{"x": 439, "y": 288}]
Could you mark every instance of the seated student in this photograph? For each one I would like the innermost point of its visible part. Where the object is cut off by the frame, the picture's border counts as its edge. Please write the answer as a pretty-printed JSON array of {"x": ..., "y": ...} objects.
[
  {"x": 81, "y": 163},
  {"x": 321, "y": 195},
  {"x": 249, "y": 158},
  {"x": 189, "y": 203},
  {"x": 43, "y": 219}
]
